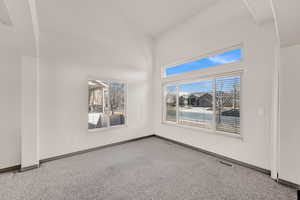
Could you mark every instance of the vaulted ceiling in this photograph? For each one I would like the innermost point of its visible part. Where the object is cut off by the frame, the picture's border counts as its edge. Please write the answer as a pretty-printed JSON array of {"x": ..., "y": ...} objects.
[
  {"x": 157, "y": 16},
  {"x": 149, "y": 17}
]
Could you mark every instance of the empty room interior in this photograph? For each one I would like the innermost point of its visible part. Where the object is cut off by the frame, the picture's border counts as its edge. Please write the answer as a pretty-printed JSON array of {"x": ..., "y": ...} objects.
[{"x": 149, "y": 99}]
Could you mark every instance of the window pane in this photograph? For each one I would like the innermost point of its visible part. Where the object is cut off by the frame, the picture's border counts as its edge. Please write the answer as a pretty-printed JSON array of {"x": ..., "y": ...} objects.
[
  {"x": 211, "y": 61},
  {"x": 228, "y": 104},
  {"x": 171, "y": 101},
  {"x": 195, "y": 104},
  {"x": 117, "y": 103},
  {"x": 98, "y": 104}
]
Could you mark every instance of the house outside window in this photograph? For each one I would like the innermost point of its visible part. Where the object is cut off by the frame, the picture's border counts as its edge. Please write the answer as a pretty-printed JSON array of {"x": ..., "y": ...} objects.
[
  {"x": 211, "y": 102},
  {"x": 106, "y": 104}
]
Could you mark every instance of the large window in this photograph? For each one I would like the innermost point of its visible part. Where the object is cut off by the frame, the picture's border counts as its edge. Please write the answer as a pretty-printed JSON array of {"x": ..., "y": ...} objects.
[
  {"x": 106, "y": 103},
  {"x": 229, "y": 56},
  {"x": 212, "y": 103},
  {"x": 196, "y": 104}
]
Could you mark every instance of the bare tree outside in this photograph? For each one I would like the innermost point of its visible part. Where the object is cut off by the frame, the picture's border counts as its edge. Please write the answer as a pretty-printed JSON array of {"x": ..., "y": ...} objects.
[
  {"x": 117, "y": 103},
  {"x": 106, "y": 104},
  {"x": 98, "y": 104},
  {"x": 195, "y": 104},
  {"x": 206, "y": 105},
  {"x": 170, "y": 99},
  {"x": 228, "y": 104}
]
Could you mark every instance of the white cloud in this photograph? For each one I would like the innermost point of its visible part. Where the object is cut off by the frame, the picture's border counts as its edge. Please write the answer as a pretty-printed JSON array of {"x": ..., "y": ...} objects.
[{"x": 221, "y": 59}]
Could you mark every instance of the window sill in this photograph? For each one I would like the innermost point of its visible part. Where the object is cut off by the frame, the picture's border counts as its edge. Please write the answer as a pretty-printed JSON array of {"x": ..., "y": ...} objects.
[
  {"x": 232, "y": 135},
  {"x": 107, "y": 128}
]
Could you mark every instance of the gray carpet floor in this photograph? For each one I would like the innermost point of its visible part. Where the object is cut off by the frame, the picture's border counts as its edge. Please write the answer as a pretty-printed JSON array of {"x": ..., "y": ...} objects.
[{"x": 148, "y": 169}]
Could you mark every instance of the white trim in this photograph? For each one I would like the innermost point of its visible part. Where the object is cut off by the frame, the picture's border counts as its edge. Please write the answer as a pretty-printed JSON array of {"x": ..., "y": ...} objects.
[
  {"x": 108, "y": 128},
  {"x": 108, "y": 105},
  {"x": 275, "y": 21},
  {"x": 204, "y": 130},
  {"x": 241, "y": 105},
  {"x": 38, "y": 107},
  {"x": 237, "y": 72},
  {"x": 177, "y": 103},
  {"x": 35, "y": 25},
  {"x": 251, "y": 10},
  {"x": 275, "y": 123},
  {"x": 164, "y": 109},
  {"x": 214, "y": 104},
  {"x": 210, "y": 73},
  {"x": 225, "y": 69},
  {"x": 275, "y": 120},
  {"x": 187, "y": 60}
]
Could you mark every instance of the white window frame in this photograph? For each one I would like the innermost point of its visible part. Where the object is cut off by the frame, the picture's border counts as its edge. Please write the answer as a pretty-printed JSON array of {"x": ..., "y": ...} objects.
[
  {"x": 212, "y": 73},
  {"x": 187, "y": 60},
  {"x": 109, "y": 127}
]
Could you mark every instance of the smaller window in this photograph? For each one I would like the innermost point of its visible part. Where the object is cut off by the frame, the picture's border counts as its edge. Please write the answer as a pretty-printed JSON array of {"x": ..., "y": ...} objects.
[
  {"x": 117, "y": 103},
  {"x": 171, "y": 103},
  {"x": 230, "y": 56},
  {"x": 106, "y": 104}
]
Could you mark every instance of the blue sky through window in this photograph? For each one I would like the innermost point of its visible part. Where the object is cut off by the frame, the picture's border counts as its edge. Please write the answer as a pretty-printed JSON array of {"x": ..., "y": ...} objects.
[
  {"x": 227, "y": 84},
  {"x": 222, "y": 84},
  {"x": 171, "y": 89},
  {"x": 211, "y": 61},
  {"x": 196, "y": 87}
]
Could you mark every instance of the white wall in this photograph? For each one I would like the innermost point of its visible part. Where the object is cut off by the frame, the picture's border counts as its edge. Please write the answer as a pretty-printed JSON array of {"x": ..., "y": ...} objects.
[
  {"x": 69, "y": 58},
  {"x": 9, "y": 107},
  {"x": 196, "y": 38},
  {"x": 66, "y": 62},
  {"x": 289, "y": 115}
]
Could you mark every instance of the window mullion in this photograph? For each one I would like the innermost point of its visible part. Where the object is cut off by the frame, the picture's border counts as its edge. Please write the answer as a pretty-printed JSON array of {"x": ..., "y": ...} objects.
[
  {"x": 108, "y": 103},
  {"x": 177, "y": 103},
  {"x": 164, "y": 103},
  {"x": 214, "y": 104}
]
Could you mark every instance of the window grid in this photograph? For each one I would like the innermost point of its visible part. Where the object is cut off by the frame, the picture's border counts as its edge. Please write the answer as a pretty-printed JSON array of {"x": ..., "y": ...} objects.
[
  {"x": 104, "y": 115},
  {"x": 216, "y": 127},
  {"x": 227, "y": 92},
  {"x": 214, "y": 59}
]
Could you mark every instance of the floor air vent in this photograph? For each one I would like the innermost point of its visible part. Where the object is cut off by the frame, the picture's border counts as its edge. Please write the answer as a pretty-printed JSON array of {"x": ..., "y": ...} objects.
[{"x": 225, "y": 163}]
